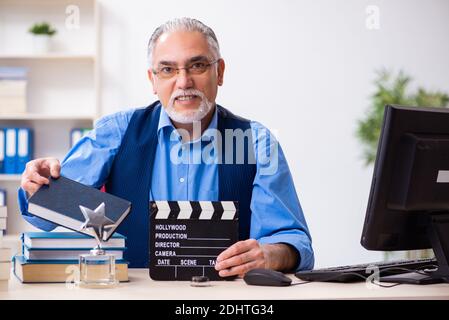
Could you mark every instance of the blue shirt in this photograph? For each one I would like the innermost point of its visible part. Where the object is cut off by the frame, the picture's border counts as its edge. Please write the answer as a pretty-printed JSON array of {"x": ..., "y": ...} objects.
[{"x": 276, "y": 216}]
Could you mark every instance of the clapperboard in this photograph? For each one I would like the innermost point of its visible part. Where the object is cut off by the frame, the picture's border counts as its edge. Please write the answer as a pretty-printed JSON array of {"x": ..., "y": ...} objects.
[{"x": 187, "y": 236}]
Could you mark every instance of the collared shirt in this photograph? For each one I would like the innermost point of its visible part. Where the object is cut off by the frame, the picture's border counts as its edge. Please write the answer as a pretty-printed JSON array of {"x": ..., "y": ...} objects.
[{"x": 276, "y": 216}]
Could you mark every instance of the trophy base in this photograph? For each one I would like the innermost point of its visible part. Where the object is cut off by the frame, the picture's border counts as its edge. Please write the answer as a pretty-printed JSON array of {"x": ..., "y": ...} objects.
[
  {"x": 97, "y": 270},
  {"x": 97, "y": 285}
]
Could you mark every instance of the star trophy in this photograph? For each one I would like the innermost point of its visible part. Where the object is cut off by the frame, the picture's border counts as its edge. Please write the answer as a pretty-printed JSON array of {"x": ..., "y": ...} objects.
[{"x": 97, "y": 269}]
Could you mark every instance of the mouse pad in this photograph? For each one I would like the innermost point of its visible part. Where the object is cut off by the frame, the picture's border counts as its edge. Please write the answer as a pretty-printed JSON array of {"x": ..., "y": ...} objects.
[{"x": 187, "y": 236}]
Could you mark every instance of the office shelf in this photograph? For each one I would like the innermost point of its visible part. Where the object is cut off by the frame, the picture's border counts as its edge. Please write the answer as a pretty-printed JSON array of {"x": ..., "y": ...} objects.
[
  {"x": 48, "y": 56},
  {"x": 10, "y": 177},
  {"x": 63, "y": 84},
  {"x": 45, "y": 117}
]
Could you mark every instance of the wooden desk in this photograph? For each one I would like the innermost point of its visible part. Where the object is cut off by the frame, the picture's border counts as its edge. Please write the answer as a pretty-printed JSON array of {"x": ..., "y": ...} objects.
[{"x": 142, "y": 287}]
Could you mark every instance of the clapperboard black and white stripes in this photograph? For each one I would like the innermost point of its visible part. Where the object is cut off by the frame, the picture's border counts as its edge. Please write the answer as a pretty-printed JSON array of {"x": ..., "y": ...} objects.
[{"x": 187, "y": 236}]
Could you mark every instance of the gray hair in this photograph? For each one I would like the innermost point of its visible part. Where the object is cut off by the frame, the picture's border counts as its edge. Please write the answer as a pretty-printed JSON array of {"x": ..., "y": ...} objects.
[{"x": 184, "y": 24}]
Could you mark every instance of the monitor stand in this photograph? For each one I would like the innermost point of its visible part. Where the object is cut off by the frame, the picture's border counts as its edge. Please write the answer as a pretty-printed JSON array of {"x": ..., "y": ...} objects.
[
  {"x": 411, "y": 278},
  {"x": 438, "y": 233}
]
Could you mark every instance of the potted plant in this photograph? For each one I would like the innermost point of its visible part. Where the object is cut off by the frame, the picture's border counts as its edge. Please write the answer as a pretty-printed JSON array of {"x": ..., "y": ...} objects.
[
  {"x": 42, "y": 32},
  {"x": 391, "y": 89}
]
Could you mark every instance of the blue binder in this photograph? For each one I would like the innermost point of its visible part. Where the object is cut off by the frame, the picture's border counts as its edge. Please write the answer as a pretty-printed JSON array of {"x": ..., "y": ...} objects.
[
  {"x": 2, "y": 150},
  {"x": 10, "y": 151},
  {"x": 24, "y": 148},
  {"x": 2, "y": 197}
]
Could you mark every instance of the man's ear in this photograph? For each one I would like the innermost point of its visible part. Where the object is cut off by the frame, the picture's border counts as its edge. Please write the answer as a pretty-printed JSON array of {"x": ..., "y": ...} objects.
[
  {"x": 151, "y": 78},
  {"x": 220, "y": 71}
]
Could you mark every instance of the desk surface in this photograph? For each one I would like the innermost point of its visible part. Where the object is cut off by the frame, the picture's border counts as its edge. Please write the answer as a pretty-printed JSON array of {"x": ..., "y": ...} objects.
[{"x": 141, "y": 286}]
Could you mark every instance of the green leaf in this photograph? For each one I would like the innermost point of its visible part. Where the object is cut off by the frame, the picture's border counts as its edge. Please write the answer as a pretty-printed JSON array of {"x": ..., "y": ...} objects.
[
  {"x": 42, "y": 28},
  {"x": 391, "y": 89}
]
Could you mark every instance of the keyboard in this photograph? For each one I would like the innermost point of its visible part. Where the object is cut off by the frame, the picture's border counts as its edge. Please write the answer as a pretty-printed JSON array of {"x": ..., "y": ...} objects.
[{"x": 360, "y": 272}]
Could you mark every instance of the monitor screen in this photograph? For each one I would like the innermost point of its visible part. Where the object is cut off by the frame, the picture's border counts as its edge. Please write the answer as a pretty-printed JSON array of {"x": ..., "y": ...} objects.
[{"x": 408, "y": 207}]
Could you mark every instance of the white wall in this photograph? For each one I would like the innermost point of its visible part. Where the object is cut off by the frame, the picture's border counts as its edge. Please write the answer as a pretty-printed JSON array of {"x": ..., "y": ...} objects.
[{"x": 304, "y": 69}]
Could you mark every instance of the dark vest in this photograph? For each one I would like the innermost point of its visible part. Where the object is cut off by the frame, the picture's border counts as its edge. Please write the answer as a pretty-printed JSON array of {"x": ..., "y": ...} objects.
[{"x": 132, "y": 169}]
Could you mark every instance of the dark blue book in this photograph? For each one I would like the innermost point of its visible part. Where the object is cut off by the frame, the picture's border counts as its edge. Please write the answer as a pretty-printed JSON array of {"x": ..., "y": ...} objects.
[
  {"x": 59, "y": 202},
  {"x": 68, "y": 240}
]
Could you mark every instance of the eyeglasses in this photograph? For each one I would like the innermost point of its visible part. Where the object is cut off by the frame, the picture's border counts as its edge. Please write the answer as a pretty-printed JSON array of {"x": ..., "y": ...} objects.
[{"x": 195, "y": 68}]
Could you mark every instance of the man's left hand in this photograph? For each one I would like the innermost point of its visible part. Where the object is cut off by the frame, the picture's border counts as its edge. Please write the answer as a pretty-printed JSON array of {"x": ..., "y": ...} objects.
[
  {"x": 249, "y": 254},
  {"x": 241, "y": 257}
]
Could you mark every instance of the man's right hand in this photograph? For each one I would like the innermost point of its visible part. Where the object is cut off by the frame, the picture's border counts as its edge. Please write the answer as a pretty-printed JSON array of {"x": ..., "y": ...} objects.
[{"x": 37, "y": 173}]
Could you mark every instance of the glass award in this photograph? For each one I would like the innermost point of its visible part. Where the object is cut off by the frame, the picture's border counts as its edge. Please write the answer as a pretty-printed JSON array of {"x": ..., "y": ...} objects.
[{"x": 97, "y": 268}]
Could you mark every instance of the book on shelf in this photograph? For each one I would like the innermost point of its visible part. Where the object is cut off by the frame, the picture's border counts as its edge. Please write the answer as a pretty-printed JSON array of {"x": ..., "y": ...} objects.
[
  {"x": 13, "y": 73},
  {"x": 5, "y": 263},
  {"x": 2, "y": 223},
  {"x": 59, "y": 202},
  {"x": 5, "y": 254},
  {"x": 5, "y": 270},
  {"x": 2, "y": 159},
  {"x": 53, "y": 271},
  {"x": 3, "y": 212},
  {"x": 10, "y": 103},
  {"x": 13, "y": 87},
  {"x": 2, "y": 197}
]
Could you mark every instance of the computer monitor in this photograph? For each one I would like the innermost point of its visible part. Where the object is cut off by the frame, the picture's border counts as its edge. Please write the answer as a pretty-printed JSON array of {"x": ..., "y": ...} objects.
[{"x": 408, "y": 207}]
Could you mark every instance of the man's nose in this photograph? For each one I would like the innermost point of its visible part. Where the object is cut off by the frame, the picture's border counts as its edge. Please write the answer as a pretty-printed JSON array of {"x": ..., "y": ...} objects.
[{"x": 183, "y": 79}]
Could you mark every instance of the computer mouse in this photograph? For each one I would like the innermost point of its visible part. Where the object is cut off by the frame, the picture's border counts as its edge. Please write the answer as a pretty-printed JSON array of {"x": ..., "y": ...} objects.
[{"x": 266, "y": 277}]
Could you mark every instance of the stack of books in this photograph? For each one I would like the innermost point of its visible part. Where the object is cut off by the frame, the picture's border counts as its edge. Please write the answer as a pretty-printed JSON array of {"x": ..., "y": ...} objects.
[
  {"x": 3, "y": 212},
  {"x": 52, "y": 256},
  {"x": 5, "y": 262},
  {"x": 13, "y": 83}
]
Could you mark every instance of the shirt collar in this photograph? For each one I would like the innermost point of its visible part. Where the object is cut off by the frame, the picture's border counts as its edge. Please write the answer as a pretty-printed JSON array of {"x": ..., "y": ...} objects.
[{"x": 164, "y": 120}]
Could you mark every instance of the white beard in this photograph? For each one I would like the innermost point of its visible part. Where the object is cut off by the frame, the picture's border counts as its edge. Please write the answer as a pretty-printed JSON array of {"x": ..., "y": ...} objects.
[{"x": 189, "y": 116}]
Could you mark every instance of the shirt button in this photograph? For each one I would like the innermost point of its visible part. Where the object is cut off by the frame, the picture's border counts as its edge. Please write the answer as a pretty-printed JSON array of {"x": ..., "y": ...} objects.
[{"x": 181, "y": 179}]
